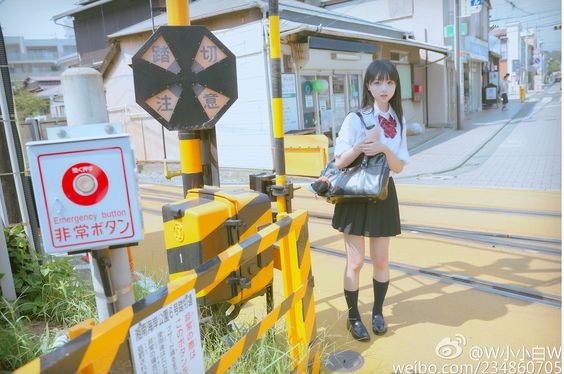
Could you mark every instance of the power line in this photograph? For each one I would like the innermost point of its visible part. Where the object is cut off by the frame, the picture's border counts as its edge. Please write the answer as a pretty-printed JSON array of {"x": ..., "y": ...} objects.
[
  {"x": 532, "y": 15},
  {"x": 533, "y": 21},
  {"x": 516, "y": 7}
]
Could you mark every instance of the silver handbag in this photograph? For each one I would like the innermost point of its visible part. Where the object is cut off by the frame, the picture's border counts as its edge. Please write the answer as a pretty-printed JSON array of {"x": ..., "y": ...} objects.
[{"x": 365, "y": 179}]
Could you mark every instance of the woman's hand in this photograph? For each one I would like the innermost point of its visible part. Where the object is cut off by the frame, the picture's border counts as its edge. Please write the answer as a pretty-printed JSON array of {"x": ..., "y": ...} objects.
[{"x": 372, "y": 147}]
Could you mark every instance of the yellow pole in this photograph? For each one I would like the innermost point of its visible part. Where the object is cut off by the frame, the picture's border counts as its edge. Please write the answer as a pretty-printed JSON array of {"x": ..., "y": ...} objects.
[
  {"x": 190, "y": 150},
  {"x": 177, "y": 12},
  {"x": 275, "y": 65}
]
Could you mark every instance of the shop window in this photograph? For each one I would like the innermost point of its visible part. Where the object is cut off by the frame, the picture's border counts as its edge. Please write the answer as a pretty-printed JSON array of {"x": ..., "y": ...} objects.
[
  {"x": 354, "y": 92},
  {"x": 405, "y": 80}
]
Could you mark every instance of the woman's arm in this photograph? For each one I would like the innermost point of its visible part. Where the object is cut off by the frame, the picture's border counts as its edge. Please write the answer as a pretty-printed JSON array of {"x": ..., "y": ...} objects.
[
  {"x": 371, "y": 148},
  {"x": 347, "y": 157}
]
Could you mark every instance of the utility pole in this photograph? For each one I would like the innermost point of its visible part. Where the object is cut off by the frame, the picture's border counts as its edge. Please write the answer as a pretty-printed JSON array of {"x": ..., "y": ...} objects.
[{"x": 458, "y": 73}]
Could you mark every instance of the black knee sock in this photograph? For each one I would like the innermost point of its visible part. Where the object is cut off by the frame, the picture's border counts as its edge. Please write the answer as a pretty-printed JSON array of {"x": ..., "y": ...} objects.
[
  {"x": 380, "y": 289},
  {"x": 352, "y": 302}
]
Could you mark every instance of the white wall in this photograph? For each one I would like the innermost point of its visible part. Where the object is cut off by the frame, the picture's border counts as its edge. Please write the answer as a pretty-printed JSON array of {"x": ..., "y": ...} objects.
[
  {"x": 513, "y": 45},
  {"x": 244, "y": 132}
]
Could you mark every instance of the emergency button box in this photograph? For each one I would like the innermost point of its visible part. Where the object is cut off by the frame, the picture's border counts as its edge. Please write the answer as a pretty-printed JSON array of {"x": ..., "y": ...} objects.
[
  {"x": 86, "y": 192},
  {"x": 207, "y": 222}
]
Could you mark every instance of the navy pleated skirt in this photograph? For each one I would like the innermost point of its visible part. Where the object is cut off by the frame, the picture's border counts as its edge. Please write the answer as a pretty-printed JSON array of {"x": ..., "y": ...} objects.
[{"x": 371, "y": 218}]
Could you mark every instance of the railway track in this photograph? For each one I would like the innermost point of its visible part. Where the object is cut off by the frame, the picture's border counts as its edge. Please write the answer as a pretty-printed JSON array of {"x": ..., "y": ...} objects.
[
  {"x": 464, "y": 208},
  {"x": 528, "y": 244},
  {"x": 453, "y": 278}
]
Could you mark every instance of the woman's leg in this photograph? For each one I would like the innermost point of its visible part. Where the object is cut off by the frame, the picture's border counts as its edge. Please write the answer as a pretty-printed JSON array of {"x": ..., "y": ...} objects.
[
  {"x": 380, "y": 280},
  {"x": 380, "y": 258},
  {"x": 354, "y": 246}
]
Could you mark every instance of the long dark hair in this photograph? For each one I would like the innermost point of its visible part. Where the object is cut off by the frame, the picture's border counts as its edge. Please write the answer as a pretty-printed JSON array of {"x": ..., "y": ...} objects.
[{"x": 382, "y": 70}]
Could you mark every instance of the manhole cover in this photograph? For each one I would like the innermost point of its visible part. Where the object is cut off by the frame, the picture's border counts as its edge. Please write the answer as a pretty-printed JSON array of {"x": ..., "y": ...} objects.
[{"x": 344, "y": 361}]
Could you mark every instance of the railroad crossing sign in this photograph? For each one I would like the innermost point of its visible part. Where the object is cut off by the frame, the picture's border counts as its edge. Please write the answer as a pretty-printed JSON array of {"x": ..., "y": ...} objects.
[{"x": 185, "y": 77}]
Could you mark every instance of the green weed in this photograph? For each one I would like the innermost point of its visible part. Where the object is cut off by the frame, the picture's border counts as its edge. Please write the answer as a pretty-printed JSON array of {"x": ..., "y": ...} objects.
[
  {"x": 270, "y": 354},
  {"x": 18, "y": 344}
]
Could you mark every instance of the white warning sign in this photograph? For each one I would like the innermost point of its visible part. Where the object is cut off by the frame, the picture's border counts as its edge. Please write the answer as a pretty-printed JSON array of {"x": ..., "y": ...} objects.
[
  {"x": 86, "y": 193},
  {"x": 168, "y": 341}
]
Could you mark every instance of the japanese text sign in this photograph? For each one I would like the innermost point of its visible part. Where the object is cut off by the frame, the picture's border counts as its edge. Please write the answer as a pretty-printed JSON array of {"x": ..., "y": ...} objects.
[
  {"x": 86, "y": 192},
  {"x": 168, "y": 341},
  {"x": 185, "y": 77}
]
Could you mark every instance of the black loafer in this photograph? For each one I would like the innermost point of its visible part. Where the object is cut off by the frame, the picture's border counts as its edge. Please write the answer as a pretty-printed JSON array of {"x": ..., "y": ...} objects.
[
  {"x": 379, "y": 326},
  {"x": 358, "y": 331}
]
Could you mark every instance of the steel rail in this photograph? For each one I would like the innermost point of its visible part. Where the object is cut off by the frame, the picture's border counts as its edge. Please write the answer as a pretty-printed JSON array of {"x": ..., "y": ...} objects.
[
  {"x": 514, "y": 242},
  {"x": 465, "y": 207},
  {"x": 453, "y": 278}
]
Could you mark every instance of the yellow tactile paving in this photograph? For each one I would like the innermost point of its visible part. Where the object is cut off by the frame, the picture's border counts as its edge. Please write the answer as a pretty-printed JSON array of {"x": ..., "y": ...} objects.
[
  {"x": 533, "y": 200},
  {"x": 539, "y": 272}
]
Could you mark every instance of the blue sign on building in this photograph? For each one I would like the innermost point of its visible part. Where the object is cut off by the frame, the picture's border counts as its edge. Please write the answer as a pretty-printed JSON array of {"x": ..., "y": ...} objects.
[{"x": 476, "y": 48}]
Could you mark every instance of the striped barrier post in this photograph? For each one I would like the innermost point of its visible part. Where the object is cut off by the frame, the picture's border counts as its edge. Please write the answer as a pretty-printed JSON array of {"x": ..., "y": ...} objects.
[{"x": 105, "y": 346}]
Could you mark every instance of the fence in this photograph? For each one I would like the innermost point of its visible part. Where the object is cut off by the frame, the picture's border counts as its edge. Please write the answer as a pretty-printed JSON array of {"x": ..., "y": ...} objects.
[{"x": 104, "y": 347}]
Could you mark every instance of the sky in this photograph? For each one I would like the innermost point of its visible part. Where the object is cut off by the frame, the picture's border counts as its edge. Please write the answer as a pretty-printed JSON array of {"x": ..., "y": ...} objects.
[
  {"x": 16, "y": 18},
  {"x": 540, "y": 14},
  {"x": 32, "y": 18}
]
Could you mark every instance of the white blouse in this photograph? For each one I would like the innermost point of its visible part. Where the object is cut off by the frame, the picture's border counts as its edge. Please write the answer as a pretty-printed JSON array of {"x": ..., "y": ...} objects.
[{"x": 352, "y": 132}]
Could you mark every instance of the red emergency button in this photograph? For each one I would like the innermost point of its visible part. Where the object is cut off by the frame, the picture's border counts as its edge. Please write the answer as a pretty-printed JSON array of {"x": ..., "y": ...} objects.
[{"x": 85, "y": 184}]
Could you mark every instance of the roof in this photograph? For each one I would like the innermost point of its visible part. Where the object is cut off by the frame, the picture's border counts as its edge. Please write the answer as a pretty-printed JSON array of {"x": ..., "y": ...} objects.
[
  {"x": 499, "y": 32},
  {"x": 44, "y": 78},
  {"x": 289, "y": 9},
  {"x": 50, "y": 91},
  {"x": 296, "y": 16},
  {"x": 80, "y": 9}
]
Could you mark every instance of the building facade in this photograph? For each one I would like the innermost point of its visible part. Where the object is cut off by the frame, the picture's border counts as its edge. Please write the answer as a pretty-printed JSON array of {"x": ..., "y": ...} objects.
[
  {"x": 94, "y": 20},
  {"x": 38, "y": 56},
  {"x": 414, "y": 16},
  {"x": 324, "y": 55}
]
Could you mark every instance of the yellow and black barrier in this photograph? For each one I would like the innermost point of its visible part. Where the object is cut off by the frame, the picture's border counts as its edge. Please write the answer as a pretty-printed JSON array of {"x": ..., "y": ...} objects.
[{"x": 105, "y": 346}]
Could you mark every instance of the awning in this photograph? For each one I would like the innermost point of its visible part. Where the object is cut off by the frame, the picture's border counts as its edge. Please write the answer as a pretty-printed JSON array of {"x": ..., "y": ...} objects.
[{"x": 288, "y": 28}]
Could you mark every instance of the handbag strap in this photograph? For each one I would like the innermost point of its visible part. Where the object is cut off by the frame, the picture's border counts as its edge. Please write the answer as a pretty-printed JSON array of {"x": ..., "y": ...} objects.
[
  {"x": 367, "y": 127},
  {"x": 362, "y": 120},
  {"x": 365, "y": 158}
]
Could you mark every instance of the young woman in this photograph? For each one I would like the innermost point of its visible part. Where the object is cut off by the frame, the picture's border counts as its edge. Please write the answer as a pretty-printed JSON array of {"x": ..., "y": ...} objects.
[{"x": 379, "y": 220}]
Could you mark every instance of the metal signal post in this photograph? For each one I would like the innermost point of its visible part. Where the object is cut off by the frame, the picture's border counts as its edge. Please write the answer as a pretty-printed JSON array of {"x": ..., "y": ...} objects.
[{"x": 275, "y": 69}]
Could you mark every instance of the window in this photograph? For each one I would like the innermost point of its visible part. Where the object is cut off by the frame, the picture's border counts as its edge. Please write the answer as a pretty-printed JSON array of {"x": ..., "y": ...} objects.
[
  {"x": 404, "y": 71},
  {"x": 504, "y": 50}
]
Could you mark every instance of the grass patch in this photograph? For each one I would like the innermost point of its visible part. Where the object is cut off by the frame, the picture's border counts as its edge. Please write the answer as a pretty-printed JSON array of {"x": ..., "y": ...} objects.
[
  {"x": 270, "y": 354},
  {"x": 51, "y": 296}
]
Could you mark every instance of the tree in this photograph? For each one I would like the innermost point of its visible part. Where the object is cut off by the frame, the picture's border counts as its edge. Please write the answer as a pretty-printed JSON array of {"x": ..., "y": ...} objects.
[
  {"x": 553, "y": 61},
  {"x": 29, "y": 104}
]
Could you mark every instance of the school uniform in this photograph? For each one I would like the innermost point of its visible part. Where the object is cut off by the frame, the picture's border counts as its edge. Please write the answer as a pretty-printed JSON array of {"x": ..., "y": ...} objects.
[{"x": 371, "y": 218}]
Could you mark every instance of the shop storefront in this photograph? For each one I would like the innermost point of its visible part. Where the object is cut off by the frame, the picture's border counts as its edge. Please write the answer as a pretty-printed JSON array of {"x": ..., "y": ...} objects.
[
  {"x": 322, "y": 82},
  {"x": 476, "y": 54}
]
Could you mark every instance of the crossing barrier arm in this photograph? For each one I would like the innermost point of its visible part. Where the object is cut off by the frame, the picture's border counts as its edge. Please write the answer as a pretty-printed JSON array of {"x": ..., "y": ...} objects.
[{"x": 96, "y": 350}]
